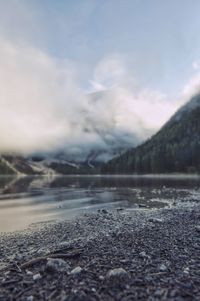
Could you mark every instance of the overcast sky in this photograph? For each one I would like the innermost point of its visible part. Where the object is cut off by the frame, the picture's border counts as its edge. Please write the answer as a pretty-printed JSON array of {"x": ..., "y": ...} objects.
[
  {"x": 51, "y": 51},
  {"x": 159, "y": 40}
]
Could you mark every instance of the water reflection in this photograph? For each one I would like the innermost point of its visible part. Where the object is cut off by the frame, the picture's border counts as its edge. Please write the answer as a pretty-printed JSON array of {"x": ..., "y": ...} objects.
[{"x": 29, "y": 200}]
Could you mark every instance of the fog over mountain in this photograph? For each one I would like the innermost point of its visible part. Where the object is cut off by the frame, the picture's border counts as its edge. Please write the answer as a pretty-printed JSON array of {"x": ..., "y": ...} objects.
[
  {"x": 175, "y": 148},
  {"x": 44, "y": 109},
  {"x": 76, "y": 81}
]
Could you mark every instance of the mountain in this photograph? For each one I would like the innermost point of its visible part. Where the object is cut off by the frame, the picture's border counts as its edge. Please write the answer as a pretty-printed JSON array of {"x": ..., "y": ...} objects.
[
  {"x": 42, "y": 165},
  {"x": 6, "y": 168},
  {"x": 101, "y": 139},
  {"x": 175, "y": 148}
]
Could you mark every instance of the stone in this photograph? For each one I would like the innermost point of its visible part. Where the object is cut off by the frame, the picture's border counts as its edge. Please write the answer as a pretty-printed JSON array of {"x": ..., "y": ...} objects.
[
  {"x": 155, "y": 220},
  {"x": 143, "y": 254},
  {"x": 56, "y": 265},
  {"x": 76, "y": 271},
  {"x": 29, "y": 298},
  {"x": 186, "y": 271},
  {"x": 163, "y": 268},
  {"x": 117, "y": 273},
  {"x": 197, "y": 228},
  {"x": 65, "y": 244},
  {"x": 37, "y": 277},
  {"x": 120, "y": 209},
  {"x": 142, "y": 205}
]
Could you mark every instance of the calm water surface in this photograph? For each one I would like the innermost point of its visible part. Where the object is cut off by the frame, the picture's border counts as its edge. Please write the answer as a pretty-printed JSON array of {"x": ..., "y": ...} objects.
[{"x": 29, "y": 200}]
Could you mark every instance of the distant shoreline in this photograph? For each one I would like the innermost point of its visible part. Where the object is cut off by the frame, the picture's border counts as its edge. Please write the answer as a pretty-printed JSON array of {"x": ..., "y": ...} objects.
[{"x": 162, "y": 175}]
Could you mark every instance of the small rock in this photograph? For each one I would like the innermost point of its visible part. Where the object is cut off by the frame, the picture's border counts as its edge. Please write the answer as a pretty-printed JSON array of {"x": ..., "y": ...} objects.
[
  {"x": 118, "y": 273},
  {"x": 143, "y": 254},
  {"x": 163, "y": 268},
  {"x": 76, "y": 271},
  {"x": 37, "y": 277},
  {"x": 65, "y": 244},
  {"x": 120, "y": 209},
  {"x": 142, "y": 205},
  {"x": 29, "y": 273},
  {"x": 42, "y": 251},
  {"x": 2, "y": 266},
  {"x": 158, "y": 293},
  {"x": 155, "y": 220},
  {"x": 186, "y": 270},
  {"x": 101, "y": 277},
  {"x": 197, "y": 228},
  {"x": 56, "y": 265},
  {"x": 29, "y": 298},
  {"x": 104, "y": 211}
]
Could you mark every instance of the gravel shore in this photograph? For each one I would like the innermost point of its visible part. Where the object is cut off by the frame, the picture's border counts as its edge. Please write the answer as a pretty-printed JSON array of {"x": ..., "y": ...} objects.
[{"x": 110, "y": 255}]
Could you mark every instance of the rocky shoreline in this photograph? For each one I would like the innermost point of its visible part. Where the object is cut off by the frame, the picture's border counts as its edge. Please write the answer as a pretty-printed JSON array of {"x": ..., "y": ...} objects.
[{"x": 109, "y": 255}]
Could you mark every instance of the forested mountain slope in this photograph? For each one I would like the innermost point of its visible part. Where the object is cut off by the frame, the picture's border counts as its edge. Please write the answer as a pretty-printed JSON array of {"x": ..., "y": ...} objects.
[{"x": 175, "y": 148}]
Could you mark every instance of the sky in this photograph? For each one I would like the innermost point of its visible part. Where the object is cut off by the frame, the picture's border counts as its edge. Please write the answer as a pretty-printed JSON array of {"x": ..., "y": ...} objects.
[{"x": 139, "y": 58}]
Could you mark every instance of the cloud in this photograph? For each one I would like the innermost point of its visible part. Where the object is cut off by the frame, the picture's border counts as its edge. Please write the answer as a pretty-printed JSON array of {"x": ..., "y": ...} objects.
[
  {"x": 138, "y": 111},
  {"x": 192, "y": 87},
  {"x": 37, "y": 96},
  {"x": 196, "y": 65},
  {"x": 43, "y": 108},
  {"x": 109, "y": 72}
]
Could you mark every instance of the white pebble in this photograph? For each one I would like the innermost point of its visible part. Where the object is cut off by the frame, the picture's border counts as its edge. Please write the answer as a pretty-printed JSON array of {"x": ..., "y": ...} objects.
[
  {"x": 76, "y": 271},
  {"x": 37, "y": 277}
]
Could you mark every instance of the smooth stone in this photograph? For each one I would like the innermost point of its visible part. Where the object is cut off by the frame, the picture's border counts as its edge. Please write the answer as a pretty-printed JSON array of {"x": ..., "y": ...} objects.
[
  {"x": 197, "y": 228},
  {"x": 37, "y": 277},
  {"x": 142, "y": 205},
  {"x": 163, "y": 268},
  {"x": 76, "y": 271},
  {"x": 155, "y": 220},
  {"x": 143, "y": 254},
  {"x": 56, "y": 265},
  {"x": 29, "y": 298},
  {"x": 119, "y": 272}
]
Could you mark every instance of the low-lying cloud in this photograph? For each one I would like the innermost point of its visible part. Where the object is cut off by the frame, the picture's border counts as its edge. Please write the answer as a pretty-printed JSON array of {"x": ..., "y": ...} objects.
[{"x": 43, "y": 108}]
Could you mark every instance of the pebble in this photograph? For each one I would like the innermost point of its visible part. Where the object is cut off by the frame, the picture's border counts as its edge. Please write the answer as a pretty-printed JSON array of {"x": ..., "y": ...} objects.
[
  {"x": 155, "y": 220},
  {"x": 76, "y": 271},
  {"x": 56, "y": 265},
  {"x": 197, "y": 228},
  {"x": 65, "y": 244},
  {"x": 186, "y": 271},
  {"x": 163, "y": 268},
  {"x": 29, "y": 298},
  {"x": 37, "y": 277},
  {"x": 120, "y": 209},
  {"x": 143, "y": 254},
  {"x": 119, "y": 272},
  {"x": 142, "y": 206}
]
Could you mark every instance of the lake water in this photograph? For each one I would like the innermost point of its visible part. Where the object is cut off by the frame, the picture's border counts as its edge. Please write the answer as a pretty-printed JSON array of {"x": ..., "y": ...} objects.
[{"x": 29, "y": 200}]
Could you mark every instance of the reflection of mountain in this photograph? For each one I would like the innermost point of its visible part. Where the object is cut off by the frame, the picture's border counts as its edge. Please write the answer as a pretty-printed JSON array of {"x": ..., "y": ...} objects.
[
  {"x": 175, "y": 148},
  {"x": 39, "y": 185}
]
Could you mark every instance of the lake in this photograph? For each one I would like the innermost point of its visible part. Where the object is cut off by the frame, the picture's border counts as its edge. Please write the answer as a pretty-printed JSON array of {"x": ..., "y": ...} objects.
[{"x": 27, "y": 201}]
